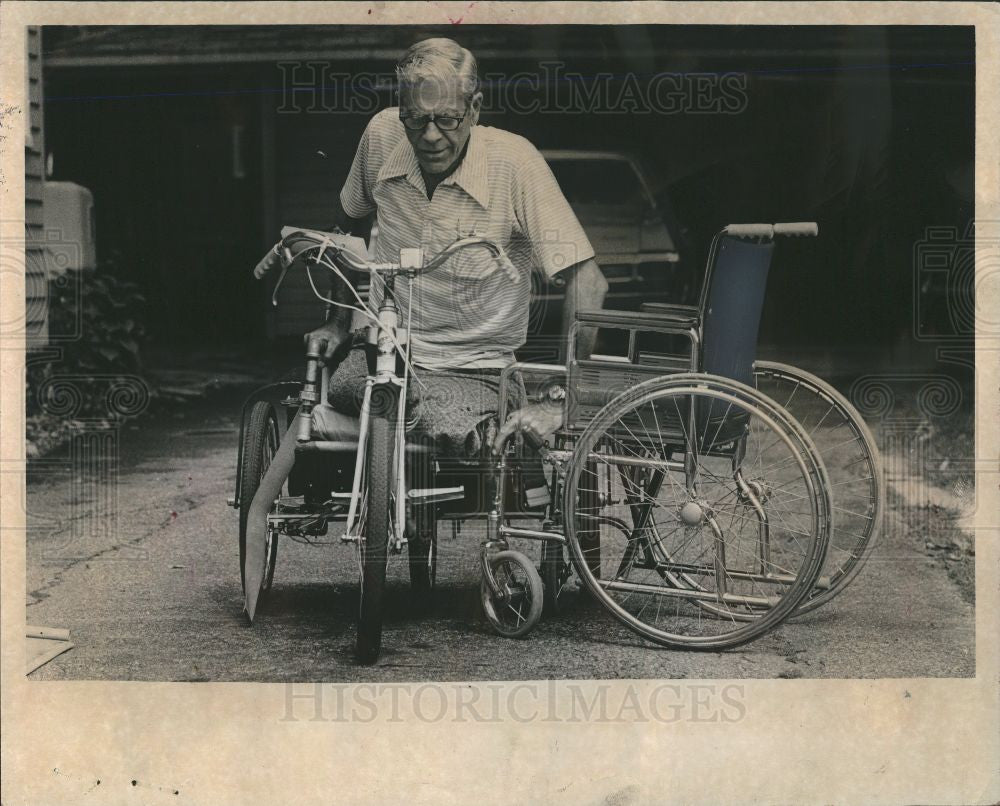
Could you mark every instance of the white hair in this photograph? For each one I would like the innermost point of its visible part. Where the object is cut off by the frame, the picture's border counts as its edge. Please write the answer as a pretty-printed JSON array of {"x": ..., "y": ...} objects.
[{"x": 438, "y": 60}]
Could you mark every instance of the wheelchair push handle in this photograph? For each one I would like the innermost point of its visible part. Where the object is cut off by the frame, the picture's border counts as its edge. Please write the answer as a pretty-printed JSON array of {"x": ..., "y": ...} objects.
[
  {"x": 765, "y": 231},
  {"x": 797, "y": 229},
  {"x": 801, "y": 229}
]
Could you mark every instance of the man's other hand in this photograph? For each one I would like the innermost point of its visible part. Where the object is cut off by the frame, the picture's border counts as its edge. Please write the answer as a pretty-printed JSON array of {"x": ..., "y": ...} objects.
[
  {"x": 538, "y": 421},
  {"x": 330, "y": 337}
]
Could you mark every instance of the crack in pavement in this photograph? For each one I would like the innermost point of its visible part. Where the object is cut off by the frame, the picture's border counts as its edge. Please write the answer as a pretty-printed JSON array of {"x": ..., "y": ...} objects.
[{"x": 188, "y": 504}]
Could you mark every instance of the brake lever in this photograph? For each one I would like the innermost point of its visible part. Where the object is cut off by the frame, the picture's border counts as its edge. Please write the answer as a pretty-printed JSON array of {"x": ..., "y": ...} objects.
[{"x": 286, "y": 261}]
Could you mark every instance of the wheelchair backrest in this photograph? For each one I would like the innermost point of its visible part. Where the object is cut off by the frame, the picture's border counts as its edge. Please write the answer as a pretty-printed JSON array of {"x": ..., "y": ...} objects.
[
  {"x": 718, "y": 337},
  {"x": 732, "y": 302}
]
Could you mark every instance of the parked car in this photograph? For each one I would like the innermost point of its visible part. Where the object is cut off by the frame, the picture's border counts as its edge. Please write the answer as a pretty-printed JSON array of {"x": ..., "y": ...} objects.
[
  {"x": 611, "y": 196},
  {"x": 629, "y": 230}
]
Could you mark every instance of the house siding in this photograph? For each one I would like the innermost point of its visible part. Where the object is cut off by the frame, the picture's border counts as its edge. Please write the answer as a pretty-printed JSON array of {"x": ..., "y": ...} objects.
[
  {"x": 35, "y": 280},
  {"x": 306, "y": 189}
]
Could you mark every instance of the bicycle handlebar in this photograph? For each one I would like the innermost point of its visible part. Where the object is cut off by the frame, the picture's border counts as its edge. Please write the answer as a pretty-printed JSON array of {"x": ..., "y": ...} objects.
[{"x": 411, "y": 261}]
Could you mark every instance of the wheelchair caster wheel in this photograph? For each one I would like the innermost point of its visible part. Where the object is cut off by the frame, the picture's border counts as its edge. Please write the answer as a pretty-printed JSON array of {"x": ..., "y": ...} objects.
[
  {"x": 260, "y": 444},
  {"x": 518, "y": 607}
]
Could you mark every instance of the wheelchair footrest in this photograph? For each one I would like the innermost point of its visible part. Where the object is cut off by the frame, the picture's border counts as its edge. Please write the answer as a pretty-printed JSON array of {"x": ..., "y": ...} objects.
[{"x": 434, "y": 495}]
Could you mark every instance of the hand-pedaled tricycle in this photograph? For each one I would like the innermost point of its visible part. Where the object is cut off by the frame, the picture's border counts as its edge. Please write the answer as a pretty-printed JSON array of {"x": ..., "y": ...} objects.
[{"x": 700, "y": 495}]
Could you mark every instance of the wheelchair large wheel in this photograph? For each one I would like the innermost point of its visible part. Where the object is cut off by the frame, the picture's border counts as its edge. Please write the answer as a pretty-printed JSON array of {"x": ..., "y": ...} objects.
[
  {"x": 260, "y": 443},
  {"x": 851, "y": 457},
  {"x": 726, "y": 504},
  {"x": 378, "y": 519}
]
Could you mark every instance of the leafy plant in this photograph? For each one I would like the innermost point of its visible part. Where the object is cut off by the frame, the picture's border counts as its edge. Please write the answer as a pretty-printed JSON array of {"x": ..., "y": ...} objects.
[{"x": 107, "y": 313}]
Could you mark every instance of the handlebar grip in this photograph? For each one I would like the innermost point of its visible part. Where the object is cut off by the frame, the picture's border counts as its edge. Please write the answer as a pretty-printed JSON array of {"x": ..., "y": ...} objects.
[
  {"x": 266, "y": 263},
  {"x": 750, "y": 230},
  {"x": 801, "y": 229}
]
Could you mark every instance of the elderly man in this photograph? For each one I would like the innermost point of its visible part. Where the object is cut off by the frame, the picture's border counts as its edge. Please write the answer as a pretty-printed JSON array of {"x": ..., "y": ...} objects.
[{"x": 432, "y": 174}]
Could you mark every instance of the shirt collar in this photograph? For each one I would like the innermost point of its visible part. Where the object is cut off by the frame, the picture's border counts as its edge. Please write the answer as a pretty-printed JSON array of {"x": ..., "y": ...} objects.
[{"x": 471, "y": 174}]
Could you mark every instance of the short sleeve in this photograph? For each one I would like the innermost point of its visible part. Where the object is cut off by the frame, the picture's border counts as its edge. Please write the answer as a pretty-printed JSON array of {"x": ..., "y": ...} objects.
[
  {"x": 356, "y": 194},
  {"x": 546, "y": 219}
]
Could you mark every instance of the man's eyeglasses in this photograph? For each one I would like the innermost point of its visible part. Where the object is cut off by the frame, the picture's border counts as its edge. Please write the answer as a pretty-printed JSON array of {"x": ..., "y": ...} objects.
[{"x": 446, "y": 123}]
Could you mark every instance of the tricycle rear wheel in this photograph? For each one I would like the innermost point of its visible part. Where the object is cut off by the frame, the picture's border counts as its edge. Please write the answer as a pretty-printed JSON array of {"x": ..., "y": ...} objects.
[{"x": 260, "y": 443}]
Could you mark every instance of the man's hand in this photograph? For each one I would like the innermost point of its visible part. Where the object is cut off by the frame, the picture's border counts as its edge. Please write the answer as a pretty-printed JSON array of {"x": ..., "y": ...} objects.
[
  {"x": 330, "y": 336},
  {"x": 538, "y": 421}
]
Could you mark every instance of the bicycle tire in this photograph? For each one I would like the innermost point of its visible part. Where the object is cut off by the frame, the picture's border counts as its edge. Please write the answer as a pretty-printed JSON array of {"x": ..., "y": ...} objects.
[
  {"x": 260, "y": 443},
  {"x": 381, "y": 437}
]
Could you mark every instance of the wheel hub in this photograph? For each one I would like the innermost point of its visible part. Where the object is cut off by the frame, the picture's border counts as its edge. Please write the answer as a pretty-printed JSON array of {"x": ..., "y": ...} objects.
[
  {"x": 692, "y": 513},
  {"x": 761, "y": 490}
]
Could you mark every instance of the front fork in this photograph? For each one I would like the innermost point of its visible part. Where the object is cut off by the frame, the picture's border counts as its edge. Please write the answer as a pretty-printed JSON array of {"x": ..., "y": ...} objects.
[
  {"x": 495, "y": 528},
  {"x": 498, "y": 483}
]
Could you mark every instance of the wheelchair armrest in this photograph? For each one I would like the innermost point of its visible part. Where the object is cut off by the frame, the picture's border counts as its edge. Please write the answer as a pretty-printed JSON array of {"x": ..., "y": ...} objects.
[
  {"x": 633, "y": 320},
  {"x": 675, "y": 313}
]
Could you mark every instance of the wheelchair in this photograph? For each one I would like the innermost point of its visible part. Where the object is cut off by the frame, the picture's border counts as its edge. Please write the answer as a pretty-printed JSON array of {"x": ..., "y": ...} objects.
[{"x": 701, "y": 496}]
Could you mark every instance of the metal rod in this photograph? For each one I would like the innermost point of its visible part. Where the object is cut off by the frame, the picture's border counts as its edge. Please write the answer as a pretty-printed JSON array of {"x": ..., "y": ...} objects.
[
  {"x": 284, "y": 517},
  {"x": 636, "y": 461},
  {"x": 532, "y": 534},
  {"x": 707, "y": 570},
  {"x": 681, "y": 593}
]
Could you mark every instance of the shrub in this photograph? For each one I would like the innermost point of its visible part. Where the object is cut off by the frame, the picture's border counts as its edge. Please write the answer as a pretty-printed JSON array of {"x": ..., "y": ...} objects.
[{"x": 107, "y": 312}]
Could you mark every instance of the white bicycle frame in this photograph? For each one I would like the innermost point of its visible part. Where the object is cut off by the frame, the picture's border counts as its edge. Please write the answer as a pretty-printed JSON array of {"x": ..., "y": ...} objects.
[
  {"x": 392, "y": 343},
  {"x": 386, "y": 336}
]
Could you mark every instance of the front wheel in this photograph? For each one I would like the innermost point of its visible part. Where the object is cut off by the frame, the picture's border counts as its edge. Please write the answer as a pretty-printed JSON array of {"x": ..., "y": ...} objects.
[
  {"x": 375, "y": 543},
  {"x": 515, "y": 611}
]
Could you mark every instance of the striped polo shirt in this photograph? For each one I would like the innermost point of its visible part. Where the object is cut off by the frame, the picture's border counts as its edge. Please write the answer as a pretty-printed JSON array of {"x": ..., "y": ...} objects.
[{"x": 468, "y": 313}]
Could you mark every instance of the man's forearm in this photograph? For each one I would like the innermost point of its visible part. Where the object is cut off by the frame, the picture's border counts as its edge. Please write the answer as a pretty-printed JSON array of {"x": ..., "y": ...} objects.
[
  {"x": 355, "y": 226},
  {"x": 585, "y": 291},
  {"x": 340, "y": 318}
]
